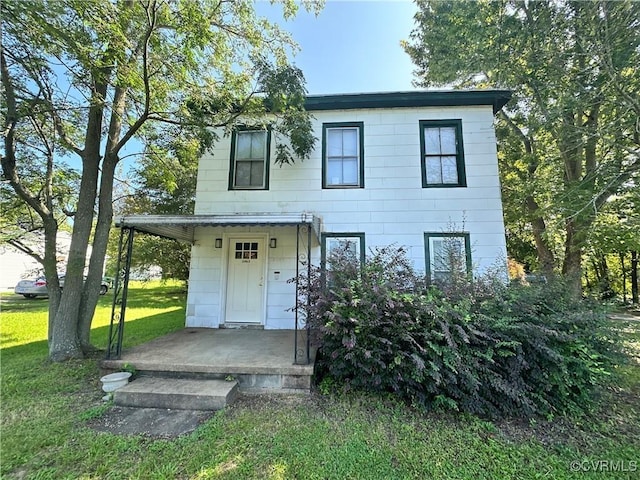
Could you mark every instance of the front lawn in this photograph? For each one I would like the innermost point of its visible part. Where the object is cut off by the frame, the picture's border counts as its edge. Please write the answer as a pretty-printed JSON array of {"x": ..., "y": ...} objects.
[{"x": 46, "y": 410}]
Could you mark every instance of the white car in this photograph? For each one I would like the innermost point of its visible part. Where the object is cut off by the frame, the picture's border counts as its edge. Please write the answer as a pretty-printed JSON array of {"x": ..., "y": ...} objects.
[
  {"x": 38, "y": 287},
  {"x": 32, "y": 288}
]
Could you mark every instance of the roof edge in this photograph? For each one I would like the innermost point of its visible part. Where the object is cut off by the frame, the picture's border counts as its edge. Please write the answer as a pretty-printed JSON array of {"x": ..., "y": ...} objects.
[
  {"x": 181, "y": 227},
  {"x": 215, "y": 219},
  {"x": 418, "y": 98}
]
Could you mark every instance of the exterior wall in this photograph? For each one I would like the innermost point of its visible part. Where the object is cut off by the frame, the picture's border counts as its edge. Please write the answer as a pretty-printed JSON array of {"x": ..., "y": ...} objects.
[
  {"x": 392, "y": 208},
  {"x": 206, "y": 297}
]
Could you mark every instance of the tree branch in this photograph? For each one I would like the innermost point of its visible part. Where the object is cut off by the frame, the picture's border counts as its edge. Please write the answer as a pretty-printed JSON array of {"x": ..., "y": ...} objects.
[
  {"x": 66, "y": 140},
  {"x": 24, "y": 249},
  {"x": 151, "y": 11},
  {"x": 528, "y": 146},
  {"x": 616, "y": 183},
  {"x": 8, "y": 160}
]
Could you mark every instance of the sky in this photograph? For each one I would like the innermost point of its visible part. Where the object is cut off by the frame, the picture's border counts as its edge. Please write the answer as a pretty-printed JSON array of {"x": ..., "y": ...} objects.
[{"x": 352, "y": 46}]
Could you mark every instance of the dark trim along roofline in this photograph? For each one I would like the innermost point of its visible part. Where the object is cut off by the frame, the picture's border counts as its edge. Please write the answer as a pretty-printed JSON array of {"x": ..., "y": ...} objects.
[{"x": 425, "y": 98}]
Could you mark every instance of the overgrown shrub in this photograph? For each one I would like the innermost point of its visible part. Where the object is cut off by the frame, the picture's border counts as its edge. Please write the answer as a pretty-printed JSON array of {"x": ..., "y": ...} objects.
[{"x": 477, "y": 346}]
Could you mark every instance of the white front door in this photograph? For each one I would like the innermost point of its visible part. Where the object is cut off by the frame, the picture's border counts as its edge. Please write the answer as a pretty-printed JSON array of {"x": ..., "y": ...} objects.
[{"x": 245, "y": 280}]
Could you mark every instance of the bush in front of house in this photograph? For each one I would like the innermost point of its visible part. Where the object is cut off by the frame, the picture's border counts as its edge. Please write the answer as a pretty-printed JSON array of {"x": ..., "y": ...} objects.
[{"x": 477, "y": 346}]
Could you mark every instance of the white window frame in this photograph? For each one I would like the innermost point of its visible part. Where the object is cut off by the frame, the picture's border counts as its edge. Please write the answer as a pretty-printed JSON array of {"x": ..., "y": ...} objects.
[{"x": 357, "y": 239}]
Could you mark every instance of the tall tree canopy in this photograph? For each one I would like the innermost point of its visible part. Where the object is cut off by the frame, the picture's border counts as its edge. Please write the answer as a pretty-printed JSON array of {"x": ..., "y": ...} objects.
[
  {"x": 570, "y": 139},
  {"x": 82, "y": 78}
]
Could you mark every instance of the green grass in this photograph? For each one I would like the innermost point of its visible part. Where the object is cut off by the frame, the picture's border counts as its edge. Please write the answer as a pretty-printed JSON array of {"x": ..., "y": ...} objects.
[{"x": 46, "y": 410}]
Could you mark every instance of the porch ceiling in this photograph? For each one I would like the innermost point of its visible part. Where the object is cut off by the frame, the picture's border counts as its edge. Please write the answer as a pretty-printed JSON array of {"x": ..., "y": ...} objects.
[{"x": 182, "y": 227}]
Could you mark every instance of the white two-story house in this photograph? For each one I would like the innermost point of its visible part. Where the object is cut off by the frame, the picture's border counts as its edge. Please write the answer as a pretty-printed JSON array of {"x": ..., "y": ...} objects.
[{"x": 405, "y": 168}]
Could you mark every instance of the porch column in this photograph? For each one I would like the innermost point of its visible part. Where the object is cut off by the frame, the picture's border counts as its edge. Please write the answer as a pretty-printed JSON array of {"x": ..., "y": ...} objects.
[
  {"x": 307, "y": 326},
  {"x": 121, "y": 289},
  {"x": 301, "y": 335}
]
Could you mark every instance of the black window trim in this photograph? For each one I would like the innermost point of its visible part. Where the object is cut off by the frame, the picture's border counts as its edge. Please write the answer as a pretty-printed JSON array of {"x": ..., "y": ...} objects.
[
  {"x": 427, "y": 249},
  {"x": 325, "y": 127},
  {"x": 232, "y": 160},
  {"x": 460, "y": 161}
]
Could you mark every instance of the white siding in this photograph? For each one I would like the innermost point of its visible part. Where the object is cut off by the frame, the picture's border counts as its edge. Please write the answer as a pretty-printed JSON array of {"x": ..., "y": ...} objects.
[
  {"x": 392, "y": 208},
  {"x": 205, "y": 299}
]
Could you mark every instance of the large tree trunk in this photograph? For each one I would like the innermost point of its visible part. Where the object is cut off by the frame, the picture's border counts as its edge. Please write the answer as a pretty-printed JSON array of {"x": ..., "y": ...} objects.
[
  {"x": 605, "y": 290},
  {"x": 42, "y": 204},
  {"x": 634, "y": 277},
  {"x": 99, "y": 248},
  {"x": 538, "y": 227},
  {"x": 579, "y": 159},
  {"x": 105, "y": 216},
  {"x": 572, "y": 264},
  {"x": 65, "y": 342},
  {"x": 50, "y": 265},
  {"x": 624, "y": 278},
  {"x": 545, "y": 254}
]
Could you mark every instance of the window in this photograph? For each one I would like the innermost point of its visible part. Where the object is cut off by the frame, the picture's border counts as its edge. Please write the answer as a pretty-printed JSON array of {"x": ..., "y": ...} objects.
[
  {"x": 351, "y": 244},
  {"x": 249, "y": 160},
  {"x": 247, "y": 250},
  {"x": 447, "y": 254},
  {"x": 343, "y": 155},
  {"x": 442, "y": 153}
]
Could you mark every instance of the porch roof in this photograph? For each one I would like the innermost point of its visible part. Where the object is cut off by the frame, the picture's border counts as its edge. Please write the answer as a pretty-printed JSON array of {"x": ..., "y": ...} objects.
[{"x": 182, "y": 227}]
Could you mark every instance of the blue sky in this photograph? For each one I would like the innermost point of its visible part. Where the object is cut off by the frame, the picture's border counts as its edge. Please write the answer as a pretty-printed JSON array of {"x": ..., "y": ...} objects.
[{"x": 352, "y": 46}]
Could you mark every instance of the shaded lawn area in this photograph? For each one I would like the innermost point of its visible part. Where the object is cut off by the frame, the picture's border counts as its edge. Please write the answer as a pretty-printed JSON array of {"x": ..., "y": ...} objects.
[{"x": 46, "y": 410}]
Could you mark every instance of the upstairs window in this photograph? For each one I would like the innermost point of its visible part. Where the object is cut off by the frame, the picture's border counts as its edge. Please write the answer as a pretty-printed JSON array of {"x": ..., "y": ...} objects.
[
  {"x": 249, "y": 160},
  {"x": 343, "y": 155},
  {"x": 442, "y": 153},
  {"x": 447, "y": 255}
]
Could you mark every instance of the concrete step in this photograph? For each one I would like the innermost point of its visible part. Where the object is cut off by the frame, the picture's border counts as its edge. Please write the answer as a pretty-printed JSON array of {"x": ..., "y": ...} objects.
[{"x": 176, "y": 393}]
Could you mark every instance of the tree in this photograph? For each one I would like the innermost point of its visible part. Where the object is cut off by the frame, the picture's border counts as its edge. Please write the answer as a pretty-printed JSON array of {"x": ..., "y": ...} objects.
[
  {"x": 45, "y": 190},
  {"x": 100, "y": 74},
  {"x": 570, "y": 140},
  {"x": 615, "y": 239},
  {"x": 52, "y": 192},
  {"x": 164, "y": 182}
]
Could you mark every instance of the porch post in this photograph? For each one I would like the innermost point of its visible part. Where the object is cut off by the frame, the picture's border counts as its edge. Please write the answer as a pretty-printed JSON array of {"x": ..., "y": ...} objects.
[
  {"x": 295, "y": 332},
  {"x": 307, "y": 327},
  {"x": 301, "y": 347},
  {"x": 121, "y": 288}
]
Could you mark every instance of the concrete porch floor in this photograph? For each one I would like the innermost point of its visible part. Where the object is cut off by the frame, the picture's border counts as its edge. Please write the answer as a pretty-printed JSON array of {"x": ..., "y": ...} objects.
[{"x": 260, "y": 359}]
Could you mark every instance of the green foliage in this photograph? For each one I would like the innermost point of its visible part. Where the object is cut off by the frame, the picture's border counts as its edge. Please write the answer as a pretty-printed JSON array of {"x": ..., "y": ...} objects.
[
  {"x": 48, "y": 409},
  {"x": 84, "y": 78},
  {"x": 96, "y": 411},
  {"x": 18, "y": 219},
  {"x": 127, "y": 367},
  {"x": 285, "y": 95},
  {"x": 568, "y": 141},
  {"x": 612, "y": 241},
  {"x": 617, "y": 228},
  {"x": 483, "y": 347},
  {"x": 150, "y": 252}
]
